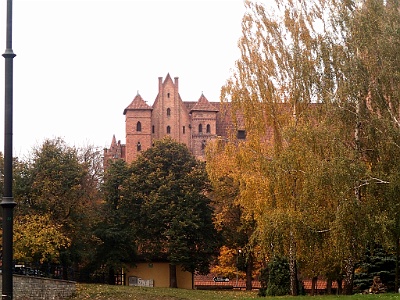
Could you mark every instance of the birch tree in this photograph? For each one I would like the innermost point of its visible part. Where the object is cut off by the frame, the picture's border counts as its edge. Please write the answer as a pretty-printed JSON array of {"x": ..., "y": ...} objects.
[{"x": 273, "y": 85}]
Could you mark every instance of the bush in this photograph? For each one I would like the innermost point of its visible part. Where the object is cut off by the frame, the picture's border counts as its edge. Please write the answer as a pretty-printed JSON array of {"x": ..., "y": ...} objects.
[{"x": 275, "y": 278}]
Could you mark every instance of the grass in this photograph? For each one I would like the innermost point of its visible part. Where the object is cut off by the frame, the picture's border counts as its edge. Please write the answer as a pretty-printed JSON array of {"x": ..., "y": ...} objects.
[{"x": 108, "y": 292}]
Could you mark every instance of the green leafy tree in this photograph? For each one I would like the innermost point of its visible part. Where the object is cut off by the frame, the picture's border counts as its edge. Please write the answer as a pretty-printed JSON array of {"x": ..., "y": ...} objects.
[
  {"x": 168, "y": 189},
  {"x": 364, "y": 35},
  {"x": 54, "y": 182},
  {"x": 115, "y": 230}
]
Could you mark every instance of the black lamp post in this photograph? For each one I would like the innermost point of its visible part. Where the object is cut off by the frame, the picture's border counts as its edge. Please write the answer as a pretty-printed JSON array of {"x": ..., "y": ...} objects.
[{"x": 8, "y": 203}]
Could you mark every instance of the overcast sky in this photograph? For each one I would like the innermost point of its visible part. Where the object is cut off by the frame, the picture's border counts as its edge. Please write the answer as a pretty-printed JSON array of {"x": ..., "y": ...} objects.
[{"x": 80, "y": 63}]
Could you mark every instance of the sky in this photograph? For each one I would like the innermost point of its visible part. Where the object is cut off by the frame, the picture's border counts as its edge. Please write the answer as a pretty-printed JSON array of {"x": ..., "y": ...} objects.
[{"x": 80, "y": 63}]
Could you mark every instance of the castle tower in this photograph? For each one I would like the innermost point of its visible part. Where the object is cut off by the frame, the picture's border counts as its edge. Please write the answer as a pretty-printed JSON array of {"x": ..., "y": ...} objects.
[
  {"x": 137, "y": 128},
  {"x": 204, "y": 125},
  {"x": 170, "y": 116}
]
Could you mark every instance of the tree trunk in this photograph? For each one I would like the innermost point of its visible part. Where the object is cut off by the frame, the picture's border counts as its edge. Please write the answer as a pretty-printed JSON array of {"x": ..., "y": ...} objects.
[
  {"x": 65, "y": 272},
  {"x": 249, "y": 273},
  {"x": 111, "y": 276},
  {"x": 329, "y": 286},
  {"x": 396, "y": 282},
  {"x": 293, "y": 267},
  {"x": 349, "y": 277},
  {"x": 339, "y": 287},
  {"x": 314, "y": 286},
  {"x": 173, "y": 282}
]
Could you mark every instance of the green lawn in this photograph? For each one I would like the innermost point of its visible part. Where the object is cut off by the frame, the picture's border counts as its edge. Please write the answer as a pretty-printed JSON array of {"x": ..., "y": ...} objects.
[{"x": 102, "y": 292}]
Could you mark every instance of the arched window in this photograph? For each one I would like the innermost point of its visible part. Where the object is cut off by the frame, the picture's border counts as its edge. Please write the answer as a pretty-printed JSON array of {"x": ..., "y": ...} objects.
[
  {"x": 168, "y": 95},
  {"x": 138, "y": 126},
  {"x": 168, "y": 111},
  {"x": 168, "y": 129},
  {"x": 208, "y": 129},
  {"x": 200, "y": 128},
  {"x": 139, "y": 146}
]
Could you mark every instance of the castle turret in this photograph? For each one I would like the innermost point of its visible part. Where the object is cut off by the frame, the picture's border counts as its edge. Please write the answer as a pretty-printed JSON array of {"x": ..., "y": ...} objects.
[
  {"x": 137, "y": 127},
  {"x": 116, "y": 151},
  {"x": 204, "y": 125}
]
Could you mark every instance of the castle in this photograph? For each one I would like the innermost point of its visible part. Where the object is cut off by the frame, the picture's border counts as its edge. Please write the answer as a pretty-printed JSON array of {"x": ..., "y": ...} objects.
[{"x": 192, "y": 123}]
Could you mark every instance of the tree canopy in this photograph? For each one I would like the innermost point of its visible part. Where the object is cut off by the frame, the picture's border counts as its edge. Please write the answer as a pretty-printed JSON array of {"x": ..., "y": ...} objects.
[
  {"x": 317, "y": 94},
  {"x": 160, "y": 203}
]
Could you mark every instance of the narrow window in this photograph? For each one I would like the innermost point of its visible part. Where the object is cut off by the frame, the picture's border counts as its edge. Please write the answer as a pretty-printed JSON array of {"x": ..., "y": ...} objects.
[
  {"x": 153, "y": 129},
  {"x": 168, "y": 130},
  {"x": 168, "y": 112},
  {"x": 168, "y": 95},
  {"x": 241, "y": 134},
  {"x": 200, "y": 128},
  {"x": 138, "y": 126},
  {"x": 139, "y": 146},
  {"x": 183, "y": 130},
  {"x": 208, "y": 130}
]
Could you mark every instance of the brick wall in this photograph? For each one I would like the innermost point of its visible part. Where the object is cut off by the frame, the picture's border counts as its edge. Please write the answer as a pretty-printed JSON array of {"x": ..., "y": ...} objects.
[{"x": 38, "y": 288}]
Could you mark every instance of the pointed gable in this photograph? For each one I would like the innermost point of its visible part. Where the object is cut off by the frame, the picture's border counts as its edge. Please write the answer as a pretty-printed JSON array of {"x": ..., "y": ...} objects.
[
  {"x": 168, "y": 78},
  {"x": 203, "y": 105},
  {"x": 137, "y": 104}
]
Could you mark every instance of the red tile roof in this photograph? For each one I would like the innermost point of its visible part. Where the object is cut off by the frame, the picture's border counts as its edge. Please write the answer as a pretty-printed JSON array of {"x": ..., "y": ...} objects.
[
  {"x": 137, "y": 103},
  {"x": 203, "y": 105}
]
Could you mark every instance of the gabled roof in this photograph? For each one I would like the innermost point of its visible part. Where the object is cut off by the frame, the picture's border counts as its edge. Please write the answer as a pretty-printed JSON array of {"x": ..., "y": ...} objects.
[
  {"x": 167, "y": 78},
  {"x": 137, "y": 104},
  {"x": 203, "y": 105}
]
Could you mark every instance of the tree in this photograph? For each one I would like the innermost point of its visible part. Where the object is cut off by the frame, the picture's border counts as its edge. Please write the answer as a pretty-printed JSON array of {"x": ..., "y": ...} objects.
[
  {"x": 168, "y": 188},
  {"x": 37, "y": 239},
  {"x": 320, "y": 109},
  {"x": 55, "y": 183},
  {"x": 365, "y": 34},
  {"x": 376, "y": 262},
  {"x": 235, "y": 225},
  {"x": 278, "y": 277},
  {"x": 273, "y": 86},
  {"x": 116, "y": 230}
]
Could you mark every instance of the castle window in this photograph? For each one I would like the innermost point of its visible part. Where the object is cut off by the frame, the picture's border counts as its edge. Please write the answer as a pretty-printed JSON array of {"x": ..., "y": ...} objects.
[
  {"x": 203, "y": 145},
  {"x": 153, "y": 129},
  {"x": 139, "y": 146},
  {"x": 208, "y": 130},
  {"x": 168, "y": 111},
  {"x": 168, "y": 129},
  {"x": 138, "y": 126},
  {"x": 168, "y": 95},
  {"x": 200, "y": 128},
  {"x": 183, "y": 130},
  {"x": 241, "y": 134}
]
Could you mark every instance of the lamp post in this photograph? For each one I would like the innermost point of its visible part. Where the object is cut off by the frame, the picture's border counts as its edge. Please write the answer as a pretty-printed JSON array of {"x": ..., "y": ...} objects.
[{"x": 8, "y": 203}]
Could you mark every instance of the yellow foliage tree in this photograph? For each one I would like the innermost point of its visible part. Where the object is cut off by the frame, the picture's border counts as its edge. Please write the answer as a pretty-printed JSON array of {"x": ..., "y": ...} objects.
[{"x": 38, "y": 239}]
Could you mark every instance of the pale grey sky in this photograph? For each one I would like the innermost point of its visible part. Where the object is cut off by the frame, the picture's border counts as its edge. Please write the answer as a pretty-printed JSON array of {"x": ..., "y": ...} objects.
[{"x": 79, "y": 63}]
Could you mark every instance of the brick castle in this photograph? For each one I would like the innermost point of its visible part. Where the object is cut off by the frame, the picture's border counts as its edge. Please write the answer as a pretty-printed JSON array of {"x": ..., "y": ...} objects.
[{"x": 192, "y": 123}]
